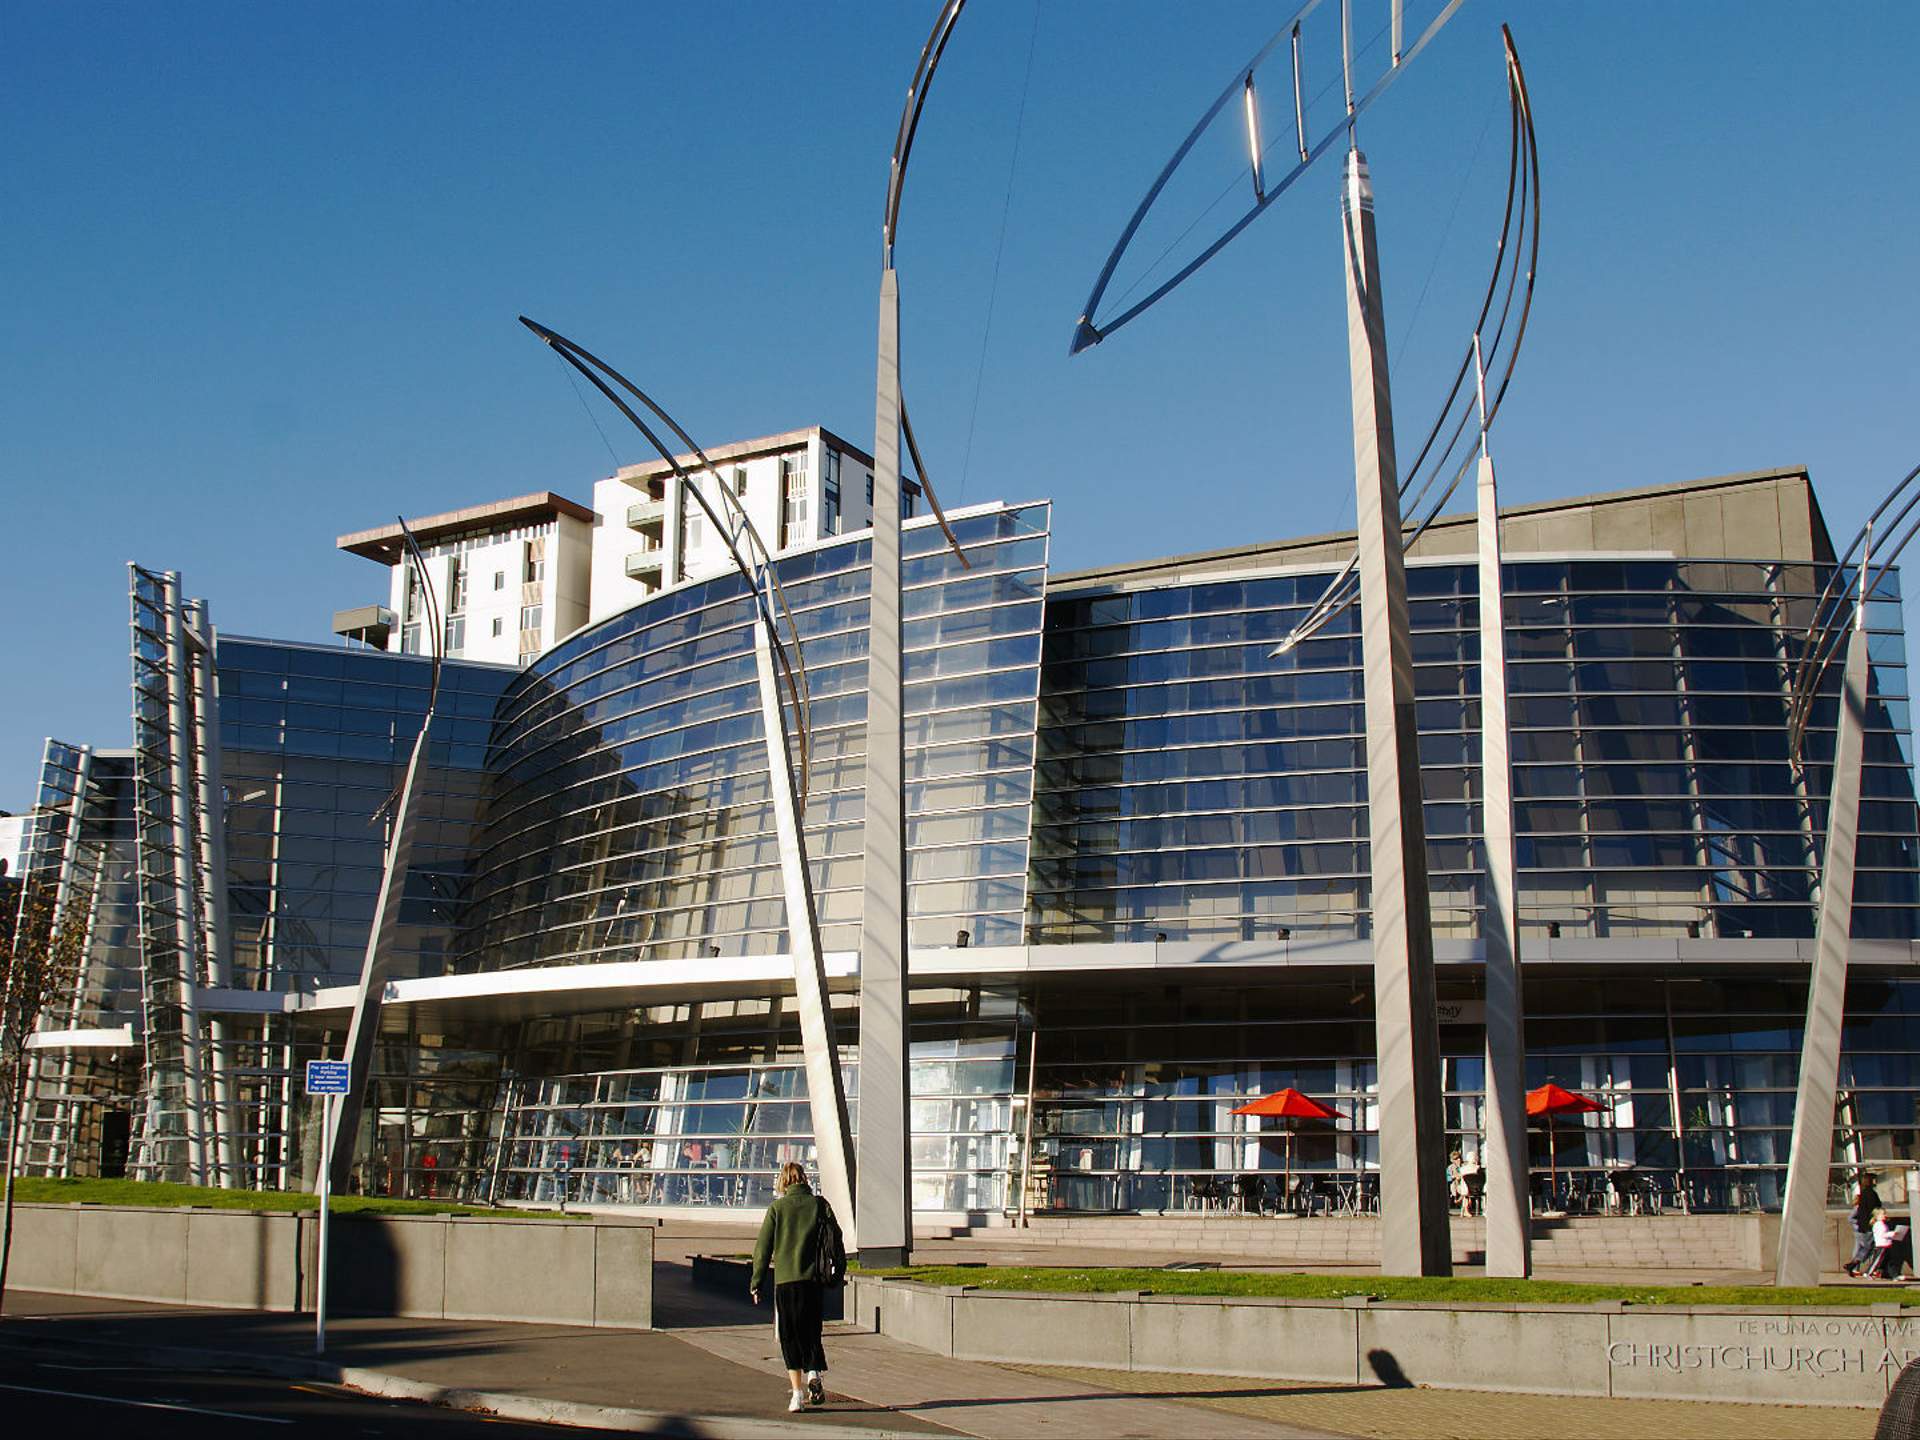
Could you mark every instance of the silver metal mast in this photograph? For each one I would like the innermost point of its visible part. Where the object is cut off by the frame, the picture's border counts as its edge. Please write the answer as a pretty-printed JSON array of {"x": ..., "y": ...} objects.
[
  {"x": 1804, "y": 1244},
  {"x": 826, "y": 1093},
  {"x": 883, "y": 1209},
  {"x": 1504, "y": 1155},
  {"x": 1414, "y": 1232}
]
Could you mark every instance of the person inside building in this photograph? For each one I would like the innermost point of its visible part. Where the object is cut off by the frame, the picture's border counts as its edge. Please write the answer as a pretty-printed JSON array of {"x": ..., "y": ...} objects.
[{"x": 789, "y": 1245}]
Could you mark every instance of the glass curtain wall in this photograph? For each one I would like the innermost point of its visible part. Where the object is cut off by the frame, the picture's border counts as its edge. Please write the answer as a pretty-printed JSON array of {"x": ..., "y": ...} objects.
[
  {"x": 629, "y": 816},
  {"x": 1193, "y": 785},
  {"x": 723, "y": 1103}
]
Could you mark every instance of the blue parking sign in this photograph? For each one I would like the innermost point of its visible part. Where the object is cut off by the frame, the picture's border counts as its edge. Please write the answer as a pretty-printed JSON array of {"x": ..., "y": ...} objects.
[{"x": 326, "y": 1077}]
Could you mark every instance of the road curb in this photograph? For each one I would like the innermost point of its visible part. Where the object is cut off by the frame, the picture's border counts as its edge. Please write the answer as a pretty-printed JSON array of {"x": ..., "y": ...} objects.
[{"x": 504, "y": 1405}]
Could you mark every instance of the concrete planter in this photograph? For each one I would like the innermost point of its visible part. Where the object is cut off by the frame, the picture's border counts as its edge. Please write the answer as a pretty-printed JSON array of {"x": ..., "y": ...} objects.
[
  {"x": 439, "y": 1267},
  {"x": 1807, "y": 1356}
]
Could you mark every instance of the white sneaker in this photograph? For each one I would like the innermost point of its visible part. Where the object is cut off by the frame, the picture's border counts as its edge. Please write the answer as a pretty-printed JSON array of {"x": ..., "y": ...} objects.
[
  {"x": 816, "y": 1388},
  {"x": 796, "y": 1402}
]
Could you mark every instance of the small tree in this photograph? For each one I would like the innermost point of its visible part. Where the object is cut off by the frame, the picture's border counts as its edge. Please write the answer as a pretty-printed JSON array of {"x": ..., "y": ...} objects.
[{"x": 42, "y": 958}]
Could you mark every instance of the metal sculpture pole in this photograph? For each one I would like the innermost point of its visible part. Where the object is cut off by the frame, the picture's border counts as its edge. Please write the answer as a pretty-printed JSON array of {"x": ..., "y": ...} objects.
[
  {"x": 886, "y": 1177},
  {"x": 363, "y": 1030},
  {"x": 1836, "y": 621},
  {"x": 1504, "y": 1154},
  {"x": 885, "y": 1207},
  {"x": 780, "y": 664},
  {"x": 1414, "y": 1237},
  {"x": 1804, "y": 1245},
  {"x": 826, "y": 1092},
  {"x": 1514, "y": 274}
]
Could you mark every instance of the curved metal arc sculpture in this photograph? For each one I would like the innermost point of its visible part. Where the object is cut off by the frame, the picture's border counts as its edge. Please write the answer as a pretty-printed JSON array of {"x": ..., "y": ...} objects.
[
  {"x": 419, "y": 559},
  {"x": 762, "y": 577},
  {"x": 777, "y": 663},
  {"x": 1463, "y": 404},
  {"x": 1088, "y": 331},
  {"x": 930, "y": 54},
  {"x": 1837, "y": 607},
  {"x": 916, "y": 102}
]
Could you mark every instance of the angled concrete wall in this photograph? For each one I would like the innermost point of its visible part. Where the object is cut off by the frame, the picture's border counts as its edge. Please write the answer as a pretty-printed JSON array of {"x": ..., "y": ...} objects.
[{"x": 1810, "y": 1356}]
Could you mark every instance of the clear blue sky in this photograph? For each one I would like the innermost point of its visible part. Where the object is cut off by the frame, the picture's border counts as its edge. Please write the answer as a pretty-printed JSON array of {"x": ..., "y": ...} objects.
[{"x": 262, "y": 265}]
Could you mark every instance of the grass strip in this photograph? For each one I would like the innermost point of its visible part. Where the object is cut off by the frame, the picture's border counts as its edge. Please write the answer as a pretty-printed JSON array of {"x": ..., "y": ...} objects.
[
  {"x": 37, "y": 1191},
  {"x": 1455, "y": 1290}
]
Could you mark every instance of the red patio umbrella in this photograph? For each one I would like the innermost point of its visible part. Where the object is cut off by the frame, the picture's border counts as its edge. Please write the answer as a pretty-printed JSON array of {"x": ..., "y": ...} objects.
[
  {"x": 1550, "y": 1100},
  {"x": 1290, "y": 1105}
]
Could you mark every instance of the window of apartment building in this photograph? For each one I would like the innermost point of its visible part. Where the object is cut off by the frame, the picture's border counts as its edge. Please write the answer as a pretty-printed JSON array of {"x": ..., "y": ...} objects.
[
  {"x": 739, "y": 479},
  {"x": 533, "y": 563},
  {"x": 830, "y": 492},
  {"x": 529, "y": 617},
  {"x": 456, "y": 634},
  {"x": 793, "y": 499},
  {"x": 413, "y": 607},
  {"x": 456, "y": 586},
  {"x": 499, "y": 627},
  {"x": 499, "y": 579},
  {"x": 906, "y": 503}
]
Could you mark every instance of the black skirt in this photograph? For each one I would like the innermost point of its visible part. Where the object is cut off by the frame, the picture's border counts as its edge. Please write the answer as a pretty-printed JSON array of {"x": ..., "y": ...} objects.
[{"x": 796, "y": 1323}]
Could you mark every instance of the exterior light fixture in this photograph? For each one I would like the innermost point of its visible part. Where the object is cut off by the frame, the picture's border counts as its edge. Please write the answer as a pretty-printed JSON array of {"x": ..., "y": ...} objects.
[{"x": 962, "y": 939}]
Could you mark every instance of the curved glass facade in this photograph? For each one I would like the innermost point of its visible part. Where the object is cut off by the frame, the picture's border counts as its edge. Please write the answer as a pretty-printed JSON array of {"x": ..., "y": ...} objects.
[{"x": 629, "y": 815}]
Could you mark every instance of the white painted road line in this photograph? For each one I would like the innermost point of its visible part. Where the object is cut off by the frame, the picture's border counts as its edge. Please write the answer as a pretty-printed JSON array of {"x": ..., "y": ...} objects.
[{"x": 146, "y": 1404}]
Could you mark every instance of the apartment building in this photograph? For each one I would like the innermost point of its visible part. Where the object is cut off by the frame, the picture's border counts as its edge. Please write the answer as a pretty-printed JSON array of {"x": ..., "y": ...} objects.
[{"x": 508, "y": 579}]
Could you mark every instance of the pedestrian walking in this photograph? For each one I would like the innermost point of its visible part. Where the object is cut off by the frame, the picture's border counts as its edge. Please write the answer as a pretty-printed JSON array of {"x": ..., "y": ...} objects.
[
  {"x": 800, "y": 1242},
  {"x": 1866, "y": 1200},
  {"x": 1895, "y": 1244}
]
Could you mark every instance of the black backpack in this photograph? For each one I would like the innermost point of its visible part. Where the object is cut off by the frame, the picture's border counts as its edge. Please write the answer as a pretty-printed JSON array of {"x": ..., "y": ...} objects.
[{"x": 829, "y": 1247}]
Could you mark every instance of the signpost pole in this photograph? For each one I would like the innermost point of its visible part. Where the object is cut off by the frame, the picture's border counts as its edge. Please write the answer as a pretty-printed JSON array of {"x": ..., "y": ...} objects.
[
  {"x": 326, "y": 1208},
  {"x": 328, "y": 1080}
]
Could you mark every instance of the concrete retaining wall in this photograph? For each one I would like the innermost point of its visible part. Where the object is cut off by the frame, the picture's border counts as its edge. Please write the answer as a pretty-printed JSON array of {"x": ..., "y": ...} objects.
[
  {"x": 1578, "y": 1242},
  {"x": 439, "y": 1267},
  {"x": 1809, "y": 1356}
]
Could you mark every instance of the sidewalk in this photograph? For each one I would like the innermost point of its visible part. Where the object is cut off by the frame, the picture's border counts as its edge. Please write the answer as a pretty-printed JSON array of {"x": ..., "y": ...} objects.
[
  {"x": 646, "y": 1381},
  {"x": 963, "y": 1396},
  {"x": 715, "y": 1373}
]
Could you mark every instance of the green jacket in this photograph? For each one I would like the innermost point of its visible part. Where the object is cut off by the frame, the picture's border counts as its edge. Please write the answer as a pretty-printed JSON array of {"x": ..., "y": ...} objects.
[{"x": 786, "y": 1238}]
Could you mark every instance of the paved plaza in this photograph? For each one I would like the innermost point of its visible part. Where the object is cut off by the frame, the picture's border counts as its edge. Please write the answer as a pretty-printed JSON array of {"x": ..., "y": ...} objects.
[
  {"x": 712, "y": 1368},
  {"x": 1384, "y": 1414}
]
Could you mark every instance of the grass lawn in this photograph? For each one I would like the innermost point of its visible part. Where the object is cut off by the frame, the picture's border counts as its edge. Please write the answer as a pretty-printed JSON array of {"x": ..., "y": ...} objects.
[
  {"x": 1382, "y": 1287},
  {"x": 142, "y": 1192}
]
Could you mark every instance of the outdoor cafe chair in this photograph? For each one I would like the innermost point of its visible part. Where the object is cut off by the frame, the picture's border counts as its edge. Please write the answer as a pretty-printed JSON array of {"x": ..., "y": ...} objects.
[{"x": 1249, "y": 1194}]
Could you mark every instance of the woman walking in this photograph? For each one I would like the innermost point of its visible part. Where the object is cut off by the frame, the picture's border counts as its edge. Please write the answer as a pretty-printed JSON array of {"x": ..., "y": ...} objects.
[{"x": 789, "y": 1245}]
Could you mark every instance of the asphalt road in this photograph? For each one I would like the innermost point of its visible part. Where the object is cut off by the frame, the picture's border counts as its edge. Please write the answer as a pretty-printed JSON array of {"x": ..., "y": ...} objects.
[{"x": 48, "y": 1387}]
